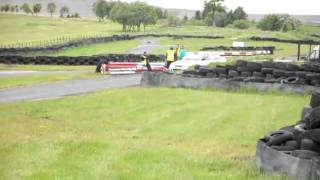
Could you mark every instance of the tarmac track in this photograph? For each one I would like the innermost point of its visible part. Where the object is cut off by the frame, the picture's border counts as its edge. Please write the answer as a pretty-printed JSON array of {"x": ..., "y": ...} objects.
[{"x": 67, "y": 88}]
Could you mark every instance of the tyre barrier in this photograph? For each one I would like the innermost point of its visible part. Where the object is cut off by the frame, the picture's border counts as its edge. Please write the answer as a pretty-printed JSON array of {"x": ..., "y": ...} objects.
[
  {"x": 81, "y": 60},
  {"x": 88, "y": 41},
  {"x": 230, "y": 48},
  {"x": 294, "y": 150},
  {"x": 307, "y": 41},
  {"x": 263, "y": 72}
]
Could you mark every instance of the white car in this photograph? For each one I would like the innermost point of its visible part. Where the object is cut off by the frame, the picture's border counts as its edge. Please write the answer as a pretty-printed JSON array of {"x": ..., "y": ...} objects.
[{"x": 197, "y": 58}]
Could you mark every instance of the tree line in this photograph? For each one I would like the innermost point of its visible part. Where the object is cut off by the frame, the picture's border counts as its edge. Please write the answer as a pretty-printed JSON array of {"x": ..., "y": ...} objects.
[
  {"x": 215, "y": 14},
  {"x": 35, "y": 9},
  {"x": 132, "y": 16}
]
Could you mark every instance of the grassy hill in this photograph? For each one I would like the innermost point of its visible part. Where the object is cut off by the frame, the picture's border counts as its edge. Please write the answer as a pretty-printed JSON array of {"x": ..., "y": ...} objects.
[{"x": 21, "y": 28}]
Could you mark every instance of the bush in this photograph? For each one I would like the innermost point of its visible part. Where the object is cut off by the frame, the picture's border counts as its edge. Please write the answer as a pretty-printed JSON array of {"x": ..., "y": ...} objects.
[
  {"x": 276, "y": 22},
  {"x": 220, "y": 19},
  {"x": 241, "y": 24}
]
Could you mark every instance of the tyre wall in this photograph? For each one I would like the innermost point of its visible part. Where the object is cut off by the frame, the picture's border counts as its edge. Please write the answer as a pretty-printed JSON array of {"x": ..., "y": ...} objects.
[
  {"x": 154, "y": 79},
  {"x": 255, "y": 38},
  {"x": 83, "y": 42},
  {"x": 82, "y": 60},
  {"x": 262, "y": 72},
  {"x": 295, "y": 149}
]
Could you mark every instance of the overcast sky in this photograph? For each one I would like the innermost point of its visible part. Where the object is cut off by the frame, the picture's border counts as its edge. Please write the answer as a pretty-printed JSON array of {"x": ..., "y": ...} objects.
[{"x": 295, "y": 7}]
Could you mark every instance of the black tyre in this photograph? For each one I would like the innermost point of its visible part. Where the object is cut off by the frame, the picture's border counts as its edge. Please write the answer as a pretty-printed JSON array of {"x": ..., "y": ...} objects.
[
  {"x": 211, "y": 75},
  {"x": 278, "y": 140},
  {"x": 315, "y": 100},
  {"x": 290, "y": 80},
  {"x": 306, "y": 67},
  {"x": 313, "y": 76},
  {"x": 241, "y": 63},
  {"x": 267, "y": 70},
  {"x": 305, "y": 113},
  {"x": 292, "y": 67},
  {"x": 233, "y": 73},
  {"x": 279, "y": 73},
  {"x": 220, "y": 71},
  {"x": 308, "y": 144},
  {"x": 267, "y": 64},
  {"x": 281, "y": 65},
  {"x": 302, "y": 74},
  {"x": 258, "y": 74},
  {"x": 304, "y": 154},
  {"x": 243, "y": 69},
  {"x": 313, "y": 120},
  {"x": 254, "y": 79},
  {"x": 254, "y": 66},
  {"x": 246, "y": 74}
]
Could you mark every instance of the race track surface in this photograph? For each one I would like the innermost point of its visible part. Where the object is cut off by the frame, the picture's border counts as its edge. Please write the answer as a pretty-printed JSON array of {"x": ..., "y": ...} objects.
[{"x": 67, "y": 88}]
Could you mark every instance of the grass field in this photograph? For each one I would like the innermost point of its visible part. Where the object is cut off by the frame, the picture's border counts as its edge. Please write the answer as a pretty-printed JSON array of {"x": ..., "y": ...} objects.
[
  {"x": 45, "y": 67},
  {"x": 194, "y": 44},
  {"x": 119, "y": 47},
  {"x": 141, "y": 134},
  {"x": 21, "y": 28}
]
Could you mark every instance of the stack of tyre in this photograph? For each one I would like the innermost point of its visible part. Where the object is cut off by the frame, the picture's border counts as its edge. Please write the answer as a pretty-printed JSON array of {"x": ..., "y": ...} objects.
[
  {"x": 262, "y": 72},
  {"x": 301, "y": 140}
]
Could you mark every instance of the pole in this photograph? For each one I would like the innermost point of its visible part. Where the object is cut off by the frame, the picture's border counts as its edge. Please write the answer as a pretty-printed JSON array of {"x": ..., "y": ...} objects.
[
  {"x": 319, "y": 53},
  {"x": 299, "y": 46}
]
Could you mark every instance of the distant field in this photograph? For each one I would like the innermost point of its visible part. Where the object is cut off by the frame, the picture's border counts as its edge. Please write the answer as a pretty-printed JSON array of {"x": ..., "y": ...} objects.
[
  {"x": 119, "y": 47},
  {"x": 21, "y": 28},
  {"x": 142, "y": 134},
  {"x": 282, "y": 49}
]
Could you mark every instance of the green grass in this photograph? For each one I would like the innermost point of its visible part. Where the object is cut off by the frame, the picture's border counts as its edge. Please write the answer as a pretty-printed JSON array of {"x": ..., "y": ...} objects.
[
  {"x": 141, "y": 134},
  {"x": 45, "y": 67},
  {"x": 119, "y": 47},
  {"x": 21, "y": 28},
  {"x": 27, "y": 80},
  {"x": 194, "y": 44}
]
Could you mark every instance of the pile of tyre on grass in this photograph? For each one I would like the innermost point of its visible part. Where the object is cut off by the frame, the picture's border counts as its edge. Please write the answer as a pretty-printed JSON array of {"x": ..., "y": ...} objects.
[
  {"x": 82, "y": 60},
  {"x": 295, "y": 149},
  {"x": 307, "y": 41},
  {"x": 92, "y": 40},
  {"x": 231, "y": 48},
  {"x": 302, "y": 139},
  {"x": 262, "y": 72}
]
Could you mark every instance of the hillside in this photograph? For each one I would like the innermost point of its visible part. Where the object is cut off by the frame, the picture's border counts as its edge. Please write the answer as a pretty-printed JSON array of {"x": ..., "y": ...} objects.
[{"x": 83, "y": 7}]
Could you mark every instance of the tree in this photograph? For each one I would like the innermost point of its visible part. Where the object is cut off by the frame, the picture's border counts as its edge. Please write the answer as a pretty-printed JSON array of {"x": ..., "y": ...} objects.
[
  {"x": 198, "y": 15},
  {"x": 16, "y": 8},
  {"x": 173, "y": 20},
  {"x": 12, "y": 9},
  {"x": 133, "y": 15},
  {"x": 64, "y": 10},
  {"x": 37, "y": 8},
  {"x": 102, "y": 8},
  {"x": 7, "y": 8},
  {"x": 276, "y": 22},
  {"x": 220, "y": 19},
  {"x": 160, "y": 13},
  {"x": 51, "y": 8},
  {"x": 165, "y": 14},
  {"x": 26, "y": 8},
  {"x": 239, "y": 14},
  {"x": 211, "y": 8},
  {"x": 241, "y": 24}
]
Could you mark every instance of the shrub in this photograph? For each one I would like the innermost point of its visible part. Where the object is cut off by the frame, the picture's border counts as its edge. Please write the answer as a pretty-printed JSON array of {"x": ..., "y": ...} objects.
[
  {"x": 241, "y": 24},
  {"x": 277, "y": 22}
]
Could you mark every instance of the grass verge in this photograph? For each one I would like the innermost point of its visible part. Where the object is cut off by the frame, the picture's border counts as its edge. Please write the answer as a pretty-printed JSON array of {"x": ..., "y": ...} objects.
[
  {"x": 16, "y": 67},
  {"x": 141, "y": 133}
]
